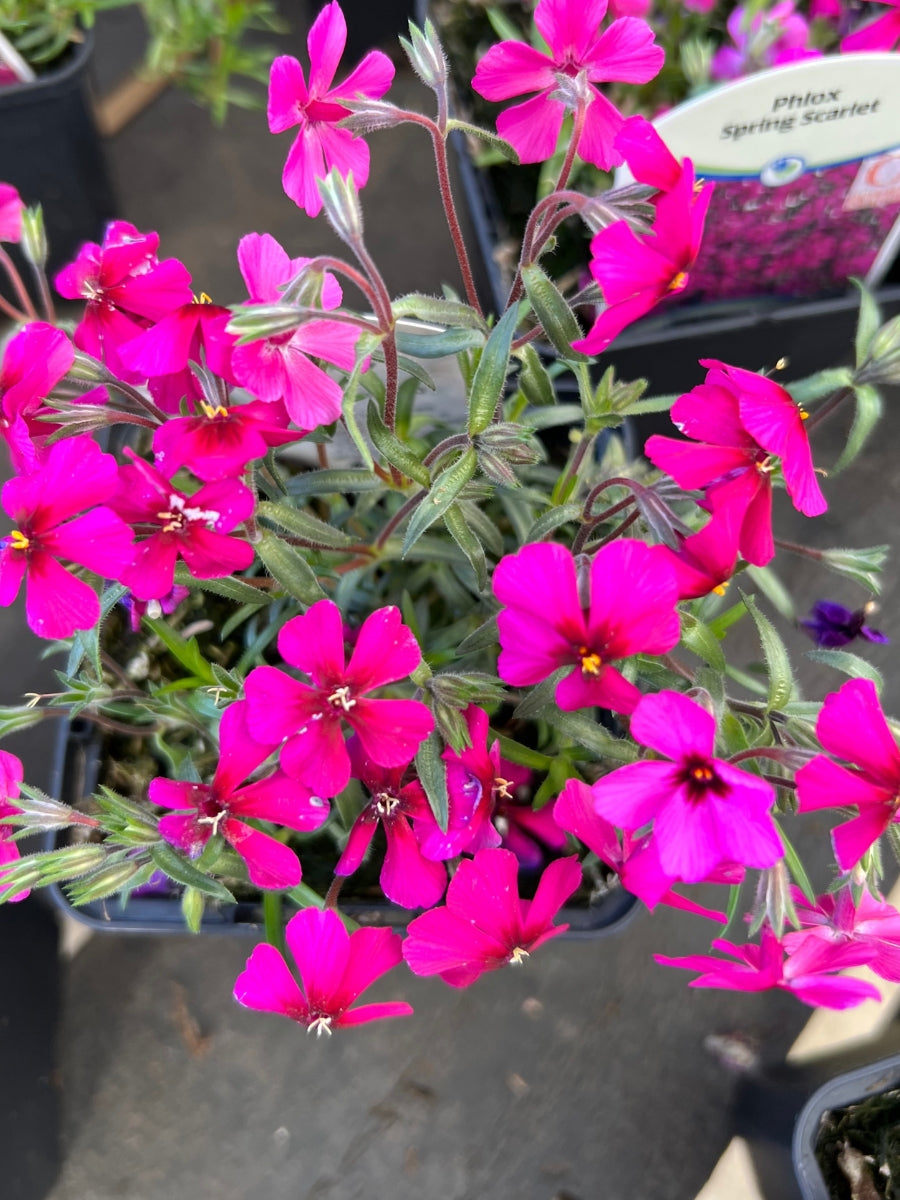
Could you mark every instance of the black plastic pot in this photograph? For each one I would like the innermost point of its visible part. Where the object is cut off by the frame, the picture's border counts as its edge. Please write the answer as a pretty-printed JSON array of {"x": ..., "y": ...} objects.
[
  {"x": 851, "y": 1088},
  {"x": 50, "y": 149},
  {"x": 75, "y": 773}
]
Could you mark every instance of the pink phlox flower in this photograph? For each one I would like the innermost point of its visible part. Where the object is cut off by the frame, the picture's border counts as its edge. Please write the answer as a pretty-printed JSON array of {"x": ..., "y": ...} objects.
[
  {"x": 407, "y": 877},
  {"x": 335, "y": 968},
  {"x": 836, "y": 918},
  {"x": 281, "y": 367},
  {"x": 220, "y": 441},
  {"x": 634, "y": 859},
  {"x": 125, "y": 289},
  {"x": 636, "y": 273},
  {"x": 48, "y": 508},
  {"x": 580, "y": 57},
  {"x": 224, "y": 806},
  {"x": 809, "y": 972},
  {"x": 484, "y": 925},
  {"x": 739, "y": 421},
  {"x": 705, "y": 561},
  {"x": 195, "y": 528},
  {"x": 321, "y": 145},
  {"x": 34, "y": 362},
  {"x": 705, "y": 811},
  {"x": 767, "y": 39},
  {"x": 880, "y": 34},
  {"x": 556, "y": 614},
  {"x": 309, "y": 718},
  {"x": 852, "y": 726},
  {"x": 10, "y": 213},
  {"x": 163, "y": 605},
  {"x": 11, "y": 775},
  {"x": 192, "y": 333}
]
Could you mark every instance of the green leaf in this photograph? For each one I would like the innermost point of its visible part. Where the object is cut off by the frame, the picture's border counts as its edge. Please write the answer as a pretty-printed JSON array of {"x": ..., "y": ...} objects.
[
  {"x": 541, "y": 699},
  {"x": 231, "y": 588},
  {"x": 523, "y": 755},
  {"x": 334, "y": 481},
  {"x": 550, "y": 521},
  {"x": 652, "y": 404},
  {"x": 304, "y": 897},
  {"x": 188, "y": 653},
  {"x": 588, "y": 732},
  {"x": 553, "y": 312},
  {"x": 438, "y": 345},
  {"x": 778, "y": 663},
  {"x": 850, "y": 664},
  {"x": 490, "y": 374},
  {"x": 868, "y": 324},
  {"x": 482, "y": 638},
  {"x": 438, "y": 311},
  {"x": 304, "y": 525},
  {"x": 795, "y": 866},
  {"x": 393, "y": 450},
  {"x": 184, "y": 872},
  {"x": 496, "y": 143},
  {"x": 701, "y": 640},
  {"x": 822, "y": 384},
  {"x": 108, "y": 881},
  {"x": 774, "y": 591},
  {"x": 21, "y": 716},
  {"x": 468, "y": 543},
  {"x": 290, "y": 570},
  {"x": 869, "y": 408},
  {"x": 734, "y": 896},
  {"x": 444, "y": 491},
  {"x": 433, "y": 778}
]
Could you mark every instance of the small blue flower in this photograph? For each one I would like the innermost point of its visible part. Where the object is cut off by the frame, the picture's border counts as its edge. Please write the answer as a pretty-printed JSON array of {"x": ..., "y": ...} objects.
[{"x": 831, "y": 625}]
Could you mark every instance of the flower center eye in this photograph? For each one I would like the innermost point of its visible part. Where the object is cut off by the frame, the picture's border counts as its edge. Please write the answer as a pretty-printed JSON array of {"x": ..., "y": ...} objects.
[
  {"x": 178, "y": 515},
  {"x": 18, "y": 540},
  {"x": 385, "y": 803},
  {"x": 702, "y": 774},
  {"x": 590, "y": 662},
  {"x": 340, "y": 698}
]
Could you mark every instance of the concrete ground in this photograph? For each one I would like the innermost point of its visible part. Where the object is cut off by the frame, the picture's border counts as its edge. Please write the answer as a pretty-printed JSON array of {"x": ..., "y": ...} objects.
[{"x": 591, "y": 1074}]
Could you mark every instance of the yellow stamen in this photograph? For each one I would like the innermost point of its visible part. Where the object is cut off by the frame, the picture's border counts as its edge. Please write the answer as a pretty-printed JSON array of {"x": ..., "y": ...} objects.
[
  {"x": 702, "y": 774},
  {"x": 678, "y": 282},
  {"x": 219, "y": 411},
  {"x": 804, "y": 415},
  {"x": 18, "y": 540},
  {"x": 518, "y": 956},
  {"x": 721, "y": 588},
  {"x": 590, "y": 663},
  {"x": 202, "y": 298}
]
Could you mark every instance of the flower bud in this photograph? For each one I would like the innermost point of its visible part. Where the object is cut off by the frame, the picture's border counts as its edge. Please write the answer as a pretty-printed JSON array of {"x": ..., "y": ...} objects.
[
  {"x": 340, "y": 199},
  {"x": 253, "y": 322},
  {"x": 629, "y": 203},
  {"x": 34, "y": 236},
  {"x": 861, "y": 565},
  {"x": 882, "y": 363},
  {"x": 367, "y": 115},
  {"x": 696, "y": 58},
  {"x": 426, "y": 55}
]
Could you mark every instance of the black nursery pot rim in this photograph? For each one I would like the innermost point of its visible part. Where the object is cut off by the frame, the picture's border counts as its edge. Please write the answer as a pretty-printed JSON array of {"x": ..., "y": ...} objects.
[
  {"x": 74, "y": 62},
  {"x": 162, "y": 914},
  {"x": 850, "y": 1088}
]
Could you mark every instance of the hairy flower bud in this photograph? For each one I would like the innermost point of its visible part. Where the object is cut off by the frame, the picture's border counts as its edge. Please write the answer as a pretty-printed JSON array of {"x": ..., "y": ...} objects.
[
  {"x": 882, "y": 364},
  {"x": 862, "y": 565},
  {"x": 340, "y": 198},
  {"x": 34, "y": 236},
  {"x": 696, "y": 58},
  {"x": 254, "y": 322},
  {"x": 426, "y": 55}
]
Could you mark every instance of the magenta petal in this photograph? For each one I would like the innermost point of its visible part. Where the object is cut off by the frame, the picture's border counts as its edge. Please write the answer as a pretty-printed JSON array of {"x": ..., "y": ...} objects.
[
  {"x": 852, "y": 839},
  {"x": 372, "y": 953},
  {"x": 282, "y": 800},
  {"x": 626, "y": 52},
  {"x": 570, "y": 27},
  {"x": 372, "y": 77},
  {"x": 13, "y": 564},
  {"x": 559, "y": 881},
  {"x": 391, "y": 731},
  {"x": 270, "y": 864},
  {"x": 385, "y": 651},
  {"x": 438, "y": 941},
  {"x": 321, "y": 948},
  {"x": 56, "y": 603},
  {"x": 98, "y": 540},
  {"x": 314, "y": 642},
  {"x": 851, "y": 725},
  {"x": 373, "y": 1012},
  {"x": 632, "y": 796},
  {"x": 311, "y": 397},
  {"x": 325, "y": 42},
  {"x": 533, "y": 127},
  {"x": 304, "y": 165},
  {"x": 633, "y": 600},
  {"x": 317, "y": 756},
  {"x": 485, "y": 890},
  {"x": 407, "y": 878},
  {"x": 602, "y": 122},
  {"x": 610, "y": 689},
  {"x": 287, "y": 94},
  {"x": 674, "y": 725},
  {"x": 839, "y": 992},
  {"x": 239, "y": 754},
  {"x": 344, "y": 153},
  {"x": 358, "y": 841},
  {"x": 267, "y": 985},
  {"x": 210, "y": 555},
  {"x": 574, "y": 811},
  {"x": 185, "y": 833},
  {"x": 513, "y": 69}
]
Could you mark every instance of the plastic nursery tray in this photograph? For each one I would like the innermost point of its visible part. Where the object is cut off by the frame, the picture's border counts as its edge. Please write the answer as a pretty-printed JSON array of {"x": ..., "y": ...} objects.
[
  {"x": 839, "y": 1092},
  {"x": 76, "y": 769}
]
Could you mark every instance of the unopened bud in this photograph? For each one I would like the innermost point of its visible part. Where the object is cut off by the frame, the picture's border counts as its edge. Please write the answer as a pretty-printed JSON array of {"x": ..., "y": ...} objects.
[
  {"x": 87, "y": 369},
  {"x": 513, "y": 442},
  {"x": 34, "y": 236},
  {"x": 306, "y": 288},
  {"x": 696, "y": 59},
  {"x": 426, "y": 55},
  {"x": 367, "y": 115},
  {"x": 340, "y": 200},
  {"x": 630, "y": 203},
  {"x": 882, "y": 363},
  {"x": 863, "y": 565},
  {"x": 574, "y": 91},
  {"x": 253, "y": 322}
]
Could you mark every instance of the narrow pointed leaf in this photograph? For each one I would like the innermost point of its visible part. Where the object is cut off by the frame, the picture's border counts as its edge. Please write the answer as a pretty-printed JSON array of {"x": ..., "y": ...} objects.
[
  {"x": 553, "y": 312},
  {"x": 490, "y": 375},
  {"x": 444, "y": 491}
]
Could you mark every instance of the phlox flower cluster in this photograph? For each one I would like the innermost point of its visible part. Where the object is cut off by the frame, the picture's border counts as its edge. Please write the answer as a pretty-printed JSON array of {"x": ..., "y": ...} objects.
[{"x": 411, "y": 670}]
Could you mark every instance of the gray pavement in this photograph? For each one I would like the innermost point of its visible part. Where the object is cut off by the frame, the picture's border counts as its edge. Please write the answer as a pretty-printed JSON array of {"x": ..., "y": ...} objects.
[{"x": 581, "y": 1077}]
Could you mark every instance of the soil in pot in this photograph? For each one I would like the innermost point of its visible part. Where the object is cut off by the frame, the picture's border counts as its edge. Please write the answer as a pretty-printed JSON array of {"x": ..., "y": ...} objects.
[{"x": 858, "y": 1149}]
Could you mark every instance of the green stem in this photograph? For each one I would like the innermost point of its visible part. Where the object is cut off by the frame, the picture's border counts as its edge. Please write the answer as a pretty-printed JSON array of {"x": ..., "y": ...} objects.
[{"x": 273, "y": 919}]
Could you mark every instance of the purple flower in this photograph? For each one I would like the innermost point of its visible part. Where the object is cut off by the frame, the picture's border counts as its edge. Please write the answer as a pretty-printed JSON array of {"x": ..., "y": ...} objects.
[{"x": 830, "y": 624}]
